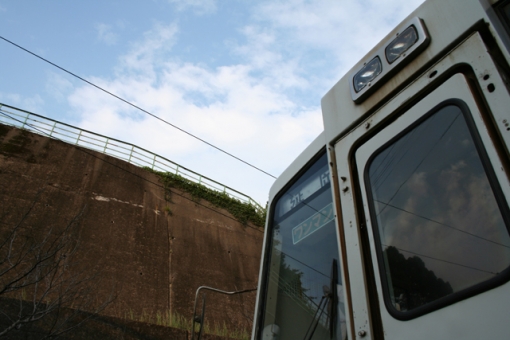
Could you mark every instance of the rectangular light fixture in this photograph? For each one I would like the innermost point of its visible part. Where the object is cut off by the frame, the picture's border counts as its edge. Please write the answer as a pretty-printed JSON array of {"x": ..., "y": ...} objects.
[
  {"x": 401, "y": 44},
  {"x": 408, "y": 42},
  {"x": 367, "y": 74}
]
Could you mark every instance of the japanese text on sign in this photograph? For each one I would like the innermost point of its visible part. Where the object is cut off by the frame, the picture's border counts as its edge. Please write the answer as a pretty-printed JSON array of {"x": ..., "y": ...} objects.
[{"x": 313, "y": 223}]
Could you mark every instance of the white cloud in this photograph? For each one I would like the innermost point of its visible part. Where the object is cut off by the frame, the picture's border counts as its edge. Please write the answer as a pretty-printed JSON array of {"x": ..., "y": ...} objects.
[
  {"x": 197, "y": 6},
  {"x": 105, "y": 34},
  {"x": 347, "y": 29},
  {"x": 264, "y": 54},
  {"x": 264, "y": 108},
  {"x": 227, "y": 106},
  {"x": 33, "y": 103},
  {"x": 58, "y": 86},
  {"x": 145, "y": 55}
]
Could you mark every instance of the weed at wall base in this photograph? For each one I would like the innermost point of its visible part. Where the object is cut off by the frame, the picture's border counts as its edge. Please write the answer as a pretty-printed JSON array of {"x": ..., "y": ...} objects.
[{"x": 175, "y": 320}]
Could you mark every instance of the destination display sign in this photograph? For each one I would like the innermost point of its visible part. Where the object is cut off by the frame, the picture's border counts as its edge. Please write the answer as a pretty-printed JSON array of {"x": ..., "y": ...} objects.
[
  {"x": 305, "y": 190},
  {"x": 313, "y": 223}
]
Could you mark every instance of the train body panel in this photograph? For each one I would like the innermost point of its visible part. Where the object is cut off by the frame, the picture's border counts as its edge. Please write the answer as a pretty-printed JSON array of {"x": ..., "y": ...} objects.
[{"x": 394, "y": 223}]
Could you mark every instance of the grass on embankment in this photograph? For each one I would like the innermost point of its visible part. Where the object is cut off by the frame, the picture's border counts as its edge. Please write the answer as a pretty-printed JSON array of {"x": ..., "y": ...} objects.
[{"x": 174, "y": 320}]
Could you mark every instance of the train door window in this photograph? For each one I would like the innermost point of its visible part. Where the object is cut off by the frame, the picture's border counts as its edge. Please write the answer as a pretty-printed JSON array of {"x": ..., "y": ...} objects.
[
  {"x": 439, "y": 219},
  {"x": 303, "y": 292},
  {"x": 439, "y": 226},
  {"x": 503, "y": 10}
]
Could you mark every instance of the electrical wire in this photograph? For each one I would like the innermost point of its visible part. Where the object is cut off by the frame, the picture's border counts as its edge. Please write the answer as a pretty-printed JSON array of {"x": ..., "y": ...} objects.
[
  {"x": 443, "y": 224},
  {"x": 137, "y": 107},
  {"x": 419, "y": 164},
  {"x": 304, "y": 264},
  {"x": 442, "y": 260}
]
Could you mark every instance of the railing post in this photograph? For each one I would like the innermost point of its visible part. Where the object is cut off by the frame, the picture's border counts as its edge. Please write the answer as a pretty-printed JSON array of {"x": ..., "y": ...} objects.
[
  {"x": 26, "y": 118},
  {"x": 153, "y": 162},
  {"x": 53, "y": 129},
  {"x": 23, "y": 121},
  {"x": 78, "y": 139},
  {"x": 131, "y": 153}
]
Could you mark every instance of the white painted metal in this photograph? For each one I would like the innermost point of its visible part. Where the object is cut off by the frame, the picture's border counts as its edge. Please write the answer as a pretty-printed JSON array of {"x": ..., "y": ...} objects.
[
  {"x": 461, "y": 318},
  {"x": 472, "y": 52},
  {"x": 446, "y": 21}
]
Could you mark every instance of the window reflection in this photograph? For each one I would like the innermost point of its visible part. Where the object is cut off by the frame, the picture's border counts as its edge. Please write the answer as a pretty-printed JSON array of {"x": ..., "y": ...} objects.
[
  {"x": 439, "y": 225},
  {"x": 303, "y": 290}
]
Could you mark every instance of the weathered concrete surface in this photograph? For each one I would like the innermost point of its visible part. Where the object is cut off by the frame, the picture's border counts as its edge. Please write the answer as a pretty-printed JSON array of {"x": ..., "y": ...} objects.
[{"x": 154, "y": 254}]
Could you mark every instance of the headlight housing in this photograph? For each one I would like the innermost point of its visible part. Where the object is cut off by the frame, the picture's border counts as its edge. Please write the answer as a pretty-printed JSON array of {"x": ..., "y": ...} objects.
[
  {"x": 379, "y": 65},
  {"x": 401, "y": 44},
  {"x": 367, "y": 74}
]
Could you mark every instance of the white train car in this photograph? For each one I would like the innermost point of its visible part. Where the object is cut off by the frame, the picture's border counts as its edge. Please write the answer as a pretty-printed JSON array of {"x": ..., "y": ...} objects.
[{"x": 394, "y": 223}]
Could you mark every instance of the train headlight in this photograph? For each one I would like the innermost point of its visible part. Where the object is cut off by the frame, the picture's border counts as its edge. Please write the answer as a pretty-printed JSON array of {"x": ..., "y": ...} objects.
[
  {"x": 388, "y": 58},
  {"x": 367, "y": 74},
  {"x": 401, "y": 44}
]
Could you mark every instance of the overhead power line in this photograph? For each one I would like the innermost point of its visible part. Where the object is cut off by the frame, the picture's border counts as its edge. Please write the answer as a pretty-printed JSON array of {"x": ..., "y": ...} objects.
[{"x": 136, "y": 107}]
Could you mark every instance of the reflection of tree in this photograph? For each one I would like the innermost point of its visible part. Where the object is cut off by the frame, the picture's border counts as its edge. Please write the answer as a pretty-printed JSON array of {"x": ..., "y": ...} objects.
[
  {"x": 292, "y": 279},
  {"x": 289, "y": 279},
  {"x": 291, "y": 283},
  {"x": 413, "y": 284}
]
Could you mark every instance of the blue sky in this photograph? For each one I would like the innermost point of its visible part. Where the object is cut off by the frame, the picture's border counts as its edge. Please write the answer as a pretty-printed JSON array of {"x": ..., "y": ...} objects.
[{"x": 246, "y": 76}]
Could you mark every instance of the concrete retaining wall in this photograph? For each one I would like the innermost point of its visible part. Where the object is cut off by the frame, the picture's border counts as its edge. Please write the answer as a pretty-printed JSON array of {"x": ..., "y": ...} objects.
[{"x": 153, "y": 253}]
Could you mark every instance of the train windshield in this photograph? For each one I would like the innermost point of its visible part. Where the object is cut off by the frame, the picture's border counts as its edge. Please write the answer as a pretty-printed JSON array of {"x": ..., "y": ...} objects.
[{"x": 303, "y": 297}]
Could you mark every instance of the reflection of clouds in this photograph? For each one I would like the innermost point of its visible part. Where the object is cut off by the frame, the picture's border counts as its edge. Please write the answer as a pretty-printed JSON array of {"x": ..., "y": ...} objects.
[
  {"x": 418, "y": 183},
  {"x": 454, "y": 206},
  {"x": 450, "y": 179},
  {"x": 466, "y": 142},
  {"x": 434, "y": 201},
  {"x": 470, "y": 202}
]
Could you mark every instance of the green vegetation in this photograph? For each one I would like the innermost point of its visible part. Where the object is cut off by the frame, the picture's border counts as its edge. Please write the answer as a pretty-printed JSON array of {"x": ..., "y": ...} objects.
[
  {"x": 176, "y": 320},
  {"x": 243, "y": 212},
  {"x": 168, "y": 210}
]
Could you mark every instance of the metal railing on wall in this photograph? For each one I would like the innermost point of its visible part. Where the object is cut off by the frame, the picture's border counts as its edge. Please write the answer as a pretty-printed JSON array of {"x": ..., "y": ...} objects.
[{"x": 109, "y": 146}]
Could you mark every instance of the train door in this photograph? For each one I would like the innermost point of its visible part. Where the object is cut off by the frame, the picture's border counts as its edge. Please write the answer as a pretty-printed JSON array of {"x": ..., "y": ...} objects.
[{"x": 425, "y": 180}]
